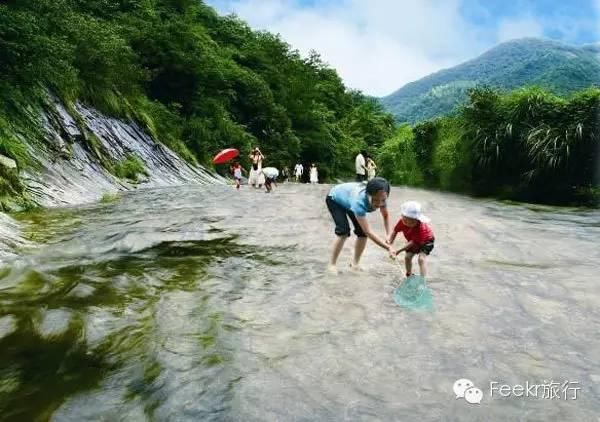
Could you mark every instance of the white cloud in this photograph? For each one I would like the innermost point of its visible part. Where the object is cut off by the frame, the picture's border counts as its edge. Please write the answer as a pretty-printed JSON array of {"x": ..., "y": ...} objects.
[
  {"x": 377, "y": 46},
  {"x": 519, "y": 28}
]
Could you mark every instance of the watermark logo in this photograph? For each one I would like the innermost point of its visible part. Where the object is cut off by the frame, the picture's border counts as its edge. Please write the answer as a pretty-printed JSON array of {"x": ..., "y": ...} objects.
[
  {"x": 548, "y": 390},
  {"x": 465, "y": 389}
]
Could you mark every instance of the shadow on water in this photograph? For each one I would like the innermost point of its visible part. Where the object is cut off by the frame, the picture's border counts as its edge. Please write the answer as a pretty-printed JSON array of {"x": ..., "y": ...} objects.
[
  {"x": 39, "y": 373},
  {"x": 49, "y": 355}
]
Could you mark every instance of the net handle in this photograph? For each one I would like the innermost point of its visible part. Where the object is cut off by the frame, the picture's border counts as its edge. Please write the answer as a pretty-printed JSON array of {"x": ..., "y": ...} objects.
[{"x": 397, "y": 261}]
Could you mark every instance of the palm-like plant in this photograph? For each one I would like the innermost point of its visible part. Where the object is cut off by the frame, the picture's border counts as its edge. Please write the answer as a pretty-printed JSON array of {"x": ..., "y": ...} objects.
[
  {"x": 482, "y": 126},
  {"x": 550, "y": 147},
  {"x": 531, "y": 140}
]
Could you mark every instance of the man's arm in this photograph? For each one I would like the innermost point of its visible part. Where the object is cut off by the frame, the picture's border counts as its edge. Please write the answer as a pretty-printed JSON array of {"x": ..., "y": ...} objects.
[
  {"x": 386, "y": 220},
  {"x": 391, "y": 238},
  {"x": 364, "y": 225}
]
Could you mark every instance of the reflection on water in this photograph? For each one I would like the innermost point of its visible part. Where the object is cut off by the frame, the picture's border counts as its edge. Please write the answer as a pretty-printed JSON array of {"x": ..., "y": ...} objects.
[{"x": 204, "y": 303}]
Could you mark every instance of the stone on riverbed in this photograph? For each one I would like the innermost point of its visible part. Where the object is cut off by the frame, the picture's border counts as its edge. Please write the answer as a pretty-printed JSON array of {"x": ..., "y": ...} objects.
[
  {"x": 82, "y": 290},
  {"x": 55, "y": 322}
]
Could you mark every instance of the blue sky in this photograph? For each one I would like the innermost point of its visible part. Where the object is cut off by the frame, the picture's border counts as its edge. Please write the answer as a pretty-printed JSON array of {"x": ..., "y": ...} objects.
[
  {"x": 379, "y": 45},
  {"x": 571, "y": 21}
]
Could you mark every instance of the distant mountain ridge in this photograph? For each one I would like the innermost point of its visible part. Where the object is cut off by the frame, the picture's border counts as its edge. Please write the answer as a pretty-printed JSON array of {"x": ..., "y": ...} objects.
[{"x": 559, "y": 67}]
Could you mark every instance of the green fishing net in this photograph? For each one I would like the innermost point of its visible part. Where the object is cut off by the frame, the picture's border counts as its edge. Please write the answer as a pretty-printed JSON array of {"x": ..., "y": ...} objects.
[{"x": 414, "y": 294}]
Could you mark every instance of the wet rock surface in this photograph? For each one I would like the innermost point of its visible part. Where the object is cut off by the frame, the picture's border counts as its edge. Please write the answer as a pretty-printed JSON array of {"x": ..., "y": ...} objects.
[{"x": 69, "y": 170}]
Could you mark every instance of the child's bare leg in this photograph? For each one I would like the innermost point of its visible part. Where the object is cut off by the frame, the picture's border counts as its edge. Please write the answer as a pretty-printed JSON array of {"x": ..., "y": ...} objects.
[
  {"x": 423, "y": 264},
  {"x": 408, "y": 262}
]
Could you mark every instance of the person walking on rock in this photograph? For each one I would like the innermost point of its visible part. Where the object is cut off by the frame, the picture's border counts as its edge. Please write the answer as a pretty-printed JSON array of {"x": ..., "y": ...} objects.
[
  {"x": 298, "y": 172},
  {"x": 237, "y": 174}
]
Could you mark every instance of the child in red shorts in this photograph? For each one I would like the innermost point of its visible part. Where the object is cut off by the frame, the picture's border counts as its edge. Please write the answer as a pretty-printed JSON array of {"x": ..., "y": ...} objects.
[{"x": 413, "y": 224}]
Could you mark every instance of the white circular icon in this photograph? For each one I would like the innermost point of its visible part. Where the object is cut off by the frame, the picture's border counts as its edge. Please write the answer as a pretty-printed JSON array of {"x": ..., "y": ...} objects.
[
  {"x": 460, "y": 386},
  {"x": 473, "y": 395}
]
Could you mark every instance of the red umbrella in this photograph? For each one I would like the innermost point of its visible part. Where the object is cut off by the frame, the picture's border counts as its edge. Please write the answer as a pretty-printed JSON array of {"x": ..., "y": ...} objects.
[{"x": 225, "y": 155}]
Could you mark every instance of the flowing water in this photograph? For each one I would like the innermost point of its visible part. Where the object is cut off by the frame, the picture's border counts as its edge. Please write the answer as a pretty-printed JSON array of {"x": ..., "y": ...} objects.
[{"x": 201, "y": 303}]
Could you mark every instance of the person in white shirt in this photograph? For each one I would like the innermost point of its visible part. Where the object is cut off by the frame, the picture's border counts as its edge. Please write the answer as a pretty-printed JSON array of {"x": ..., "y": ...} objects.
[
  {"x": 255, "y": 176},
  {"x": 314, "y": 174},
  {"x": 361, "y": 167},
  {"x": 298, "y": 171}
]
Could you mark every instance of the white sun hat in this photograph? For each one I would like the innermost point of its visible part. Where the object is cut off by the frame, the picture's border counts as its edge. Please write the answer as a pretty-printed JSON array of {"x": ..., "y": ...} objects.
[{"x": 412, "y": 209}]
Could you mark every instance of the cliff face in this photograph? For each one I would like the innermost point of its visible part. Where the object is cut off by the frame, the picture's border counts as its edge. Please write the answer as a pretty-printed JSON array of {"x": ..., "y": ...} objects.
[{"x": 71, "y": 166}]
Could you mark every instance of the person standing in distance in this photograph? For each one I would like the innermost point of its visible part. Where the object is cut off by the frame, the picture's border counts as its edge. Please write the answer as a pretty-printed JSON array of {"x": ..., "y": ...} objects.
[
  {"x": 361, "y": 166},
  {"x": 255, "y": 176}
]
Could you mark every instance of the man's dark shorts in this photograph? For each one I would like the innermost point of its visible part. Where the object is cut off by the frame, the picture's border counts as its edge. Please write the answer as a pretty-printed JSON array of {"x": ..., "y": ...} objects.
[
  {"x": 340, "y": 217},
  {"x": 361, "y": 177}
]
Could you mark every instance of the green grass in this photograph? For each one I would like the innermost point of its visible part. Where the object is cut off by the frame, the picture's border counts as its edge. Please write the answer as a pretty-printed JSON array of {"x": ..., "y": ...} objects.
[
  {"x": 129, "y": 168},
  {"x": 109, "y": 197}
]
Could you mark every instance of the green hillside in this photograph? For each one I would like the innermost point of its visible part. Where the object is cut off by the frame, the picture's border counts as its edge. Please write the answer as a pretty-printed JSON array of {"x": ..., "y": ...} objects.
[{"x": 559, "y": 68}]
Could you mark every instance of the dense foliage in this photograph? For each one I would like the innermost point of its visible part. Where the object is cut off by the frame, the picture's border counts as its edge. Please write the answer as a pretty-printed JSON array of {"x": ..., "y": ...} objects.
[
  {"x": 559, "y": 68},
  {"x": 200, "y": 82},
  {"x": 526, "y": 145},
  {"x": 197, "y": 81}
]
